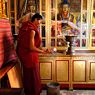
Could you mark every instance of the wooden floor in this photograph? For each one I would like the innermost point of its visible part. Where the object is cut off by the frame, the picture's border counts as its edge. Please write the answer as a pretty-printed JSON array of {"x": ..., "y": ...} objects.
[
  {"x": 74, "y": 92},
  {"x": 44, "y": 92}
]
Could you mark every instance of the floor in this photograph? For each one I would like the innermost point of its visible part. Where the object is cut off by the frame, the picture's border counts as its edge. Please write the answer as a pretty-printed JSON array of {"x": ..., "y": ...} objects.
[
  {"x": 44, "y": 92},
  {"x": 74, "y": 92}
]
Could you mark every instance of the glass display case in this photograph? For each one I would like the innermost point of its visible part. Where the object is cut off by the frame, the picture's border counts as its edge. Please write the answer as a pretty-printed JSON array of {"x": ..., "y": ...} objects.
[
  {"x": 53, "y": 31},
  {"x": 92, "y": 25},
  {"x": 12, "y": 13}
]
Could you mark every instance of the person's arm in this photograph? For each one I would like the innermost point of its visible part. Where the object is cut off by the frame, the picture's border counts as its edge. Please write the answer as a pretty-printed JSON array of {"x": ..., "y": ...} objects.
[{"x": 32, "y": 46}]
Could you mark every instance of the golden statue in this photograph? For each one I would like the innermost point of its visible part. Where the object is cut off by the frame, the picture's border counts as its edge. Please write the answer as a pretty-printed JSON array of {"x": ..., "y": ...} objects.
[{"x": 2, "y": 9}]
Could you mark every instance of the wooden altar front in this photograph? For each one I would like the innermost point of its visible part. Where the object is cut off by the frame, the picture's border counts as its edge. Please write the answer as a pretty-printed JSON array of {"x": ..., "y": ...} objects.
[{"x": 71, "y": 71}]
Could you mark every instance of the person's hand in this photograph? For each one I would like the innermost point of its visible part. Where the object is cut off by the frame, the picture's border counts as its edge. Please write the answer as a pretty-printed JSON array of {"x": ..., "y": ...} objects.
[
  {"x": 43, "y": 51},
  {"x": 48, "y": 51}
]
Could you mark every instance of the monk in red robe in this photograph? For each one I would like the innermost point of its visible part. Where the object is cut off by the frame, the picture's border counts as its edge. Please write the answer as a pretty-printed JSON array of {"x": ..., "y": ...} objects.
[{"x": 28, "y": 47}]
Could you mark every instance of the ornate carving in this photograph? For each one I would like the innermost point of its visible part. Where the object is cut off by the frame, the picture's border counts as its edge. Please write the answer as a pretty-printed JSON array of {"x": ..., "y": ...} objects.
[{"x": 2, "y": 9}]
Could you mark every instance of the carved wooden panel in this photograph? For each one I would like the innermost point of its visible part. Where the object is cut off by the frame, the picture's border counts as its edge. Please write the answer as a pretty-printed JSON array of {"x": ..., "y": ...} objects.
[
  {"x": 92, "y": 71},
  {"x": 62, "y": 70},
  {"x": 46, "y": 70},
  {"x": 79, "y": 71}
]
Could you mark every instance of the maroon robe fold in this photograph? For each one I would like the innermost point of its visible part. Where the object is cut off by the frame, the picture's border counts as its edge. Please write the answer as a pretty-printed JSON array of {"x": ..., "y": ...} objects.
[{"x": 29, "y": 58}]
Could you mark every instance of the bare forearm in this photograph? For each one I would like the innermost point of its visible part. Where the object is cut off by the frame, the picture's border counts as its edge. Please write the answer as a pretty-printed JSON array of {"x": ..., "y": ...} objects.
[{"x": 37, "y": 50}]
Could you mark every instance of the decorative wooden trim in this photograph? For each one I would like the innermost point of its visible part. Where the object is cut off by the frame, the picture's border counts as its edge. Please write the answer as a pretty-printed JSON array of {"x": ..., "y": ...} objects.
[
  {"x": 46, "y": 62},
  {"x": 90, "y": 71},
  {"x": 75, "y": 86},
  {"x": 56, "y": 70},
  {"x": 73, "y": 70},
  {"x": 83, "y": 86},
  {"x": 85, "y": 51}
]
